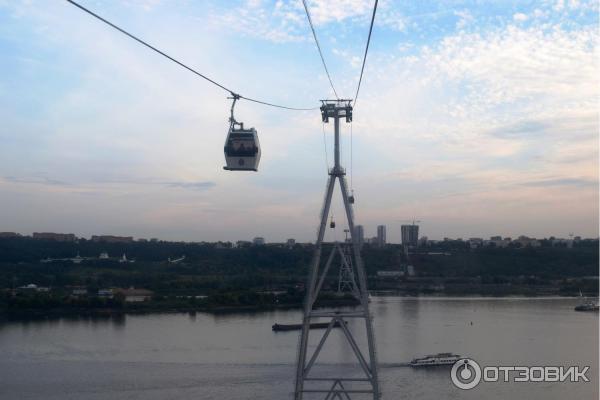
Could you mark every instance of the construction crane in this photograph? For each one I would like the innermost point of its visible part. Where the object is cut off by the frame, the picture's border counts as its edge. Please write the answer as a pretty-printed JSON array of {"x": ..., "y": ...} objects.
[{"x": 412, "y": 221}]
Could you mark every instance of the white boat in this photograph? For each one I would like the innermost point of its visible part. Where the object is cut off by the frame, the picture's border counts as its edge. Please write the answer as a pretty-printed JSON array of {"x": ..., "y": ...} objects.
[
  {"x": 435, "y": 360},
  {"x": 586, "y": 304}
]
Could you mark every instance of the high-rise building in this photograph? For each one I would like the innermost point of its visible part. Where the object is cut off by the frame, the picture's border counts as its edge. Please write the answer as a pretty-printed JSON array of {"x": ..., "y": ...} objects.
[
  {"x": 112, "y": 239},
  {"x": 381, "y": 236},
  {"x": 9, "y": 234},
  {"x": 359, "y": 234},
  {"x": 59, "y": 237},
  {"x": 410, "y": 235},
  {"x": 258, "y": 241}
]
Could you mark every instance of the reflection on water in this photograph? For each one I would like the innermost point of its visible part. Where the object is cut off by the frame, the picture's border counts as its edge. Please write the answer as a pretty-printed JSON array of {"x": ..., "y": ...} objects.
[
  {"x": 237, "y": 356},
  {"x": 117, "y": 321}
]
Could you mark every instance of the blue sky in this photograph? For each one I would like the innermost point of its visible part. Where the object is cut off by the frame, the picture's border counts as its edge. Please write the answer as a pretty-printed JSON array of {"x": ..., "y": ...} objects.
[{"x": 477, "y": 117}]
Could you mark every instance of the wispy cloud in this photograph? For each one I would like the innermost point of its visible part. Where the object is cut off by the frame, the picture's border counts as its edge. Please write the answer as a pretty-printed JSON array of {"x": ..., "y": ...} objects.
[
  {"x": 465, "y": 18},
  {"x": 575, "y": 182},
  {"x": 35, "y": 180},
  {"x": 44, "y": 181},
  {"x": 192, "y": 185},
  {"x": 522, "y": 129},
  {"x": 520, "y": 17}
]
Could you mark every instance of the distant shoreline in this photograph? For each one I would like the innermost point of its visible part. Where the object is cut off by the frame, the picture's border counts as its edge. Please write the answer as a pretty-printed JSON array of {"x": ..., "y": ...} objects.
[{"x": 57, "y": 313}]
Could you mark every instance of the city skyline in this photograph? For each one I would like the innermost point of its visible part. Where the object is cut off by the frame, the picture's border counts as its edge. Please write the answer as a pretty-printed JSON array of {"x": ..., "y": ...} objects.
[
  {"x": 475, "y": 118},
  {"x": 70, "y": 236}
]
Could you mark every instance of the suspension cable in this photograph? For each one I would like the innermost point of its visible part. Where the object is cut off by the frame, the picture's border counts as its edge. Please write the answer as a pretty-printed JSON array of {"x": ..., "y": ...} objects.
[
  {"x": 232, "y": 117},
  {"x": 362, "y": 69},
  {"x": 123, "y": 31},
  {"x": 319, "y": 47}
]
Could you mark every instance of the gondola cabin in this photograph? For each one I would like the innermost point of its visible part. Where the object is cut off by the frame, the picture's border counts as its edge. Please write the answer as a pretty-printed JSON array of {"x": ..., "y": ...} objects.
[{"x": 242, "y": 149}]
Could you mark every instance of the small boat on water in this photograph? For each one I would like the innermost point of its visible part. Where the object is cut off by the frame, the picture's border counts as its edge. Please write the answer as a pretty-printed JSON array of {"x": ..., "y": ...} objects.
[
  {"x": 586, "y": 304},
  {"x": 295, "y": 327},
  {"x": 589, "y": 306},
  {"x": 435, "y": 360}
]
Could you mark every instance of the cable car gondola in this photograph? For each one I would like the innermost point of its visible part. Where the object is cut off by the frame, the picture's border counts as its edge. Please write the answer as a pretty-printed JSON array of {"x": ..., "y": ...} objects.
[{"x": 242, "y": 148}]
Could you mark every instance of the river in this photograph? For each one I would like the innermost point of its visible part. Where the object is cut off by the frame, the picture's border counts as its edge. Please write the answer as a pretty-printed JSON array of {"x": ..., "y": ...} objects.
[{"x": 237, "y": 356}]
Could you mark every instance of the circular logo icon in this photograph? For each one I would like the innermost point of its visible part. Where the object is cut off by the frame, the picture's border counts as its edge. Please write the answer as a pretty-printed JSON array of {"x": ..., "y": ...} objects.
[{"x": 465, "y": 374}]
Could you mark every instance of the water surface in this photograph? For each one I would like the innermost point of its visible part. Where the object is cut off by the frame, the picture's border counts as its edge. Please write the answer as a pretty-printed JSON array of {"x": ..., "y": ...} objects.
[{"x": 237, "y": 356}]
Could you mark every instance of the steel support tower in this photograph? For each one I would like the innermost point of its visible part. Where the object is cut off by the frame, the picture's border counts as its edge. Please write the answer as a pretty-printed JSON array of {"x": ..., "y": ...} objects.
[
  {"x": 346, "y": 280},
  {"x": 309, "y": 386}
]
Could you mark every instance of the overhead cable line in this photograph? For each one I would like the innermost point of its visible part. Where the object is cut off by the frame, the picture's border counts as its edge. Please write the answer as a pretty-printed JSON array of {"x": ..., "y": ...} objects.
[
  {"x": 319, "y": 47},
  {"x": 366, "y": 51},
  {"x": 234, "y": 94},
  {"x": 362, "y": 70}
]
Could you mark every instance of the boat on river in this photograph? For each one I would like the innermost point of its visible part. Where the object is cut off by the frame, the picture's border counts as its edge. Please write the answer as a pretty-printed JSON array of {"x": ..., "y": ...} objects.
[
  {"x": 586, "y": 304},
  {"x": 295, "y": 327},
  {"x": 436, "y": 360}
]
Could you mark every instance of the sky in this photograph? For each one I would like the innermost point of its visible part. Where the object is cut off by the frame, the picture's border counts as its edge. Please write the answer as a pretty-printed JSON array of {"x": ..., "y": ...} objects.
[{"x": 477, "y": 118}]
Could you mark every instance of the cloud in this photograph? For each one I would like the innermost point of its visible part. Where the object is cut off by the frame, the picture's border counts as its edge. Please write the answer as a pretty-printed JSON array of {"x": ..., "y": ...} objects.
[
  {"x": 121, "y": 183},
  {"x": 147, "y": 5},
  {"x": 559, "y": 5},
  {"x": 520, "y": 129},
  {"x": 192, "y": 185},
  {"x": 286, "y": 21},
  {"x": 520, "y": 64},
  {"x": 465, "y": 18},
  {"x": 36, "y": 180},
  {"x": 392, "y": 19},
  {"x": 520, "y": 17},
  {"x": 492, "y": 112},
  {"x": 324, "y": 12},
  {"x": 280, "y": 22},
  {"x": 563, "y": 182}
]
